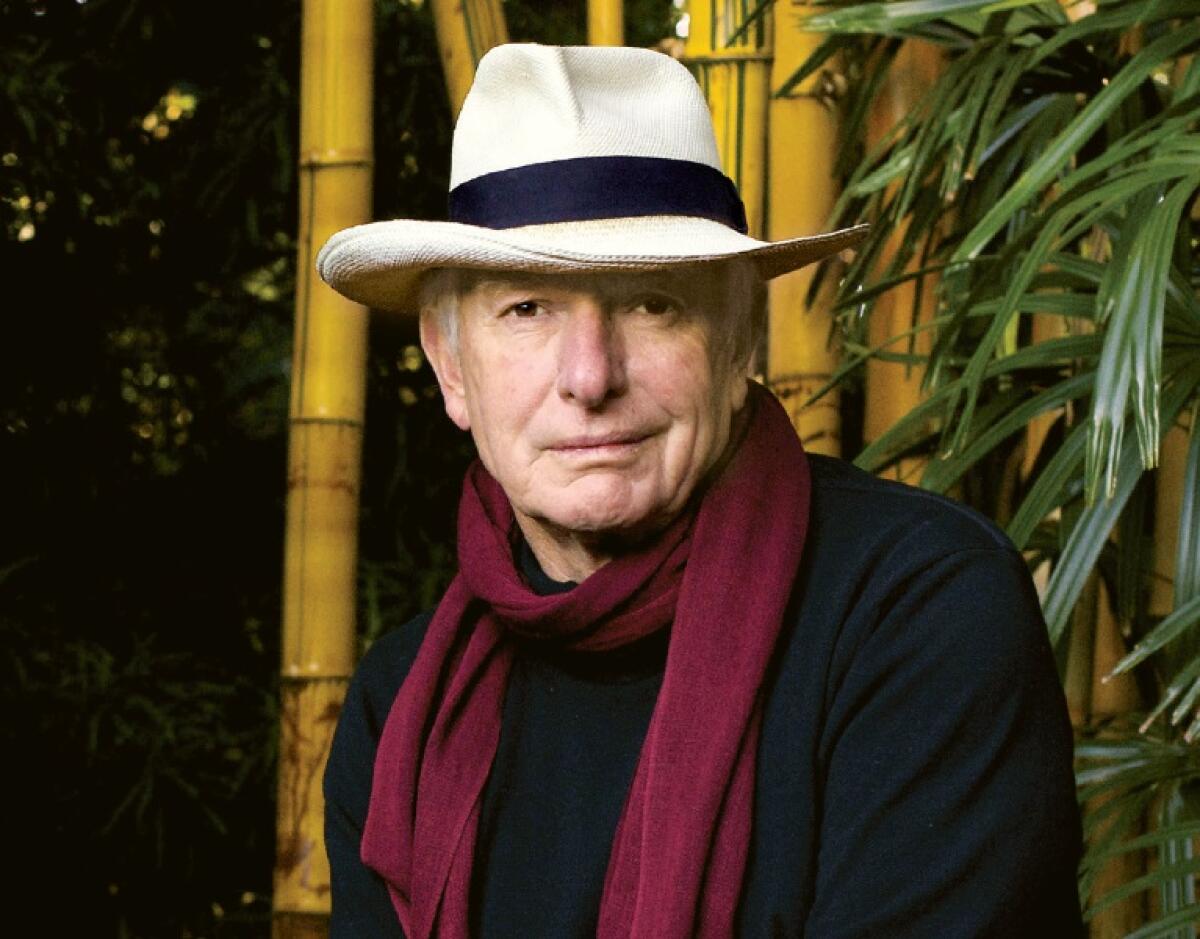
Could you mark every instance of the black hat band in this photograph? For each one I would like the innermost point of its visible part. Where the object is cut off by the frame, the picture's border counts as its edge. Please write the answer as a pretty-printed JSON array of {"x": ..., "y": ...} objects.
[{"x": 585, "y": 188}]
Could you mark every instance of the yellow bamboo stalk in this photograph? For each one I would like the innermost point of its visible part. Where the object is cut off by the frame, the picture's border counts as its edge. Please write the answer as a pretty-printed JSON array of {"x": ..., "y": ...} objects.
[
  {"x": 466, "y": 29},
  {"x": 1096, "y": 645},
  {"x": 1168, "y": 508},
  {"x": 732, "y": 66},
  {"x": 1108, "y": 700},
  {"x": 606, "y": 23},
  {"x": 1168, "y": 503},
  {"x": 1091, "y": 657},
  {"x": 803, "y": 139},
  {"x": 324, "y": 452},
  {"x": 893, "y": 388},
  {"x": 1044, "y": 327}
]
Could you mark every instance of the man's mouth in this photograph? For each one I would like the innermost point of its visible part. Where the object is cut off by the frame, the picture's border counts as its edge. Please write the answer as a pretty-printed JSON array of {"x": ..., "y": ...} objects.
[{"x": 599, "y": 443}]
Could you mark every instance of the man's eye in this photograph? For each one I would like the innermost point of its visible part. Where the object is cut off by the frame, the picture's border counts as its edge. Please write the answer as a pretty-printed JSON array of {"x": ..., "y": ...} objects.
[
  {"x": 658, "y": 306},
  {"x": 525, "y": 308}
]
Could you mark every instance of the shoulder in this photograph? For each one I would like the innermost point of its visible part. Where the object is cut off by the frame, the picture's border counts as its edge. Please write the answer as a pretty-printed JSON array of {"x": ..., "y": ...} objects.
[
  {"x": 386, "y": 663},
  {"x": 920, "y": 629},
  {"x": 897, "y": 580},
  {"x": 853, "y": 508},
  {"x": 365, "y": 708},
  {"x": 922, "y": 680},
  {"x": 360, "y": 900},
  {"x": 870, "y": 540}
]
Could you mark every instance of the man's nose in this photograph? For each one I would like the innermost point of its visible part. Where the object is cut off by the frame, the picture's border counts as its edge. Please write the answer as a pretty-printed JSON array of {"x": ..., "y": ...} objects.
[{"x": 591, "y": 365}]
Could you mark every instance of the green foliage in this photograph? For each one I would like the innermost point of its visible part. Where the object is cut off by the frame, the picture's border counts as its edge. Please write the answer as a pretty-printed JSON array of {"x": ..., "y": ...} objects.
[
  {"x": 1052, "y": 172},
  {"x": 147, "y": 231},
  {"x": 148, "y": 761},
  {"x": 145, "y": 205}
]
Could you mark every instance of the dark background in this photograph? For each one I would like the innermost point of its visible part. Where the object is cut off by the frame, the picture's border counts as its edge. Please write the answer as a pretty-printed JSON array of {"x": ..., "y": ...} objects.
[{"x": 148, "y": 212}]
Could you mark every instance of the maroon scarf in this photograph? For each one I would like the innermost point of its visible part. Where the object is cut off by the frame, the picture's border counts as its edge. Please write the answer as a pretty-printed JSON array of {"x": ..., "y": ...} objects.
[{"x": 723, "y": 580}]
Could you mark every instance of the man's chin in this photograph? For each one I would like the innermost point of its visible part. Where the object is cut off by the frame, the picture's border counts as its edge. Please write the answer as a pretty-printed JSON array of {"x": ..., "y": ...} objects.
[{"x": 618, "y": 523}]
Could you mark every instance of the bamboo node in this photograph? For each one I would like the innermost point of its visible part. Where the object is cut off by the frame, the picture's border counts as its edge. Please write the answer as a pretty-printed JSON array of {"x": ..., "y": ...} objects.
[
  {"x": 337, "y": 156},
  {"x": 723, "y": 58},
  {"x": 796, "y": 384}
]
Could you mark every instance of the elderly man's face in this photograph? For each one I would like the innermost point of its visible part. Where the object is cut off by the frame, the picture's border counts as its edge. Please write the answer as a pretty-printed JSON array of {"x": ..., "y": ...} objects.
[{"x": 597, "y": 402}]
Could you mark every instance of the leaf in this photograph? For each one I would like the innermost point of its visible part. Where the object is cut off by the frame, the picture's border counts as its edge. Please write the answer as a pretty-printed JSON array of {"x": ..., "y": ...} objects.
[
  {"x": 1112, "y": 749},
  {"x": 1081, "y": 129},
  {"x": 1163, "y": 133},
  {"x": 899, "y": 435},
  {"x": 1029, "y": 264},
  {"x": 750, "y": 19},
  {"x": 1191, "y": 672},
  {"x": 879, "y": 52},
  {"x": 1167, "y": 925},
  {"x": 1014, "y": 123},
  {"x": 1152, "y": 768},
  {"x": 1046, "y": 493},
  {"x": 14, "y": 567},
  {"x": 940, "y": 122},
  {"x": 1091, "y": 531},
  {"x": 1190, "y": 84},
  {"x": 1129, "y": 599},
  {"x": 1104, "y": 827},
  {"x": 857, "y": 358},
  {"x": 830, "y": 46},
  {"x": 1060, "y": 225},
  {"x": 1176, "y": 891},
  {"x": 1150, "y": 840},
  {"x": 943, "y": 473},
  {"x": 1150, "y": 881},
  {"x": 1133, "y": 341},
  {"x": 860, "y": 297},
  {"x": 1187, "y": 555},
  {"x": 890, "y": 17},
  {"x": 1181, "y": 618},
  {"x": 898, "y": 163}
]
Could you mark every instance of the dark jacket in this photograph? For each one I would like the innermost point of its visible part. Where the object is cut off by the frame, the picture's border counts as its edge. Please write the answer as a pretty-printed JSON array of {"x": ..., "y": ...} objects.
[{"x": 913, "y": 776}]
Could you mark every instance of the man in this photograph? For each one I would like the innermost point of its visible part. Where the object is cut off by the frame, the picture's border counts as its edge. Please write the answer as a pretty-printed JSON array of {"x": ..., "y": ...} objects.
[{"x": 688, "y": 680}]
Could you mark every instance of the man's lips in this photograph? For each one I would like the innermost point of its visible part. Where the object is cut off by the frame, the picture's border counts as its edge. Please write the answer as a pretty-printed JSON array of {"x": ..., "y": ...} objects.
[{"x": 598, "y": 443}]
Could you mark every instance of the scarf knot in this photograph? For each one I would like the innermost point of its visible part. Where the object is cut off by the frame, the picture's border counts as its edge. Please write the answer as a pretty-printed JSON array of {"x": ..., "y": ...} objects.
[{"x": 625, "y": 600}]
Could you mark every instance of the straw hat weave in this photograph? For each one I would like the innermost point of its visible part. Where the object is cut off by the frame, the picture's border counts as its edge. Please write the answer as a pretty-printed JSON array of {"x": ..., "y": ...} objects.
[{"x": 571, "y": 159}]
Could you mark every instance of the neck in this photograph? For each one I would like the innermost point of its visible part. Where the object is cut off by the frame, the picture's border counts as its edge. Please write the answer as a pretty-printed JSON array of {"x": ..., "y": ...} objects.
[{"x": 564, "y": 556}]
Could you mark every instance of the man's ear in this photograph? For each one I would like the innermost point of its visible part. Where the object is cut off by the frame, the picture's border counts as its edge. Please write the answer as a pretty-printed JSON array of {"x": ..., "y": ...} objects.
[
  {"x": 443, "y": 356},
  {"x": 743, "y": 372}
]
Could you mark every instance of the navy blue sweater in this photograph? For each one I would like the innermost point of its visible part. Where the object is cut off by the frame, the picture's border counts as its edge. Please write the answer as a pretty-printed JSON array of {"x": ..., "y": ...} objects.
[{"x": 913, "y": 777}]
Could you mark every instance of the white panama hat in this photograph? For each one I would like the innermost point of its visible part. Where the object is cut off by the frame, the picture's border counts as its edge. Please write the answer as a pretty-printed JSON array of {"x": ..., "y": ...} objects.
[{"x": 571, "y": 158}]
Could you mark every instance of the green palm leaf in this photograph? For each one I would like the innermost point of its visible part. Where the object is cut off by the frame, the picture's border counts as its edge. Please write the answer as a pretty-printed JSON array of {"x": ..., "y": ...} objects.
[
  {"x": 1052, "y": 171},
  {"x": 1133, "y": 342},
  {"x": 1081, "y": 129},
  {"x": 1187, "y": 555}
]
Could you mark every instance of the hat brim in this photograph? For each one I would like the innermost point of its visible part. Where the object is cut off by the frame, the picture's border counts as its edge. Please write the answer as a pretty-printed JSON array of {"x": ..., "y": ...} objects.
[{"x": 380, "y": 264}]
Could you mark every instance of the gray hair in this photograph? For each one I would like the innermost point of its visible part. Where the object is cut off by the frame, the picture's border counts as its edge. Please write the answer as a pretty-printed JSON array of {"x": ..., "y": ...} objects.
[
  {"x": 739, "y": 311},
  {"x": 441, "y": 292}
]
